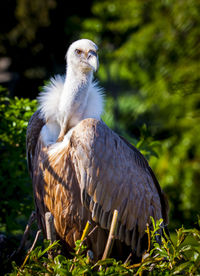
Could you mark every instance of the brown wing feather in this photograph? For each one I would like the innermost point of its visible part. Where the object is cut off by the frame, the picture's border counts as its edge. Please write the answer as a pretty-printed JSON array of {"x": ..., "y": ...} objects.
[
  {"x": 56, "y": 190},
  {"x": 112, "y": 174},
  {"x": 143, "y": 162}
]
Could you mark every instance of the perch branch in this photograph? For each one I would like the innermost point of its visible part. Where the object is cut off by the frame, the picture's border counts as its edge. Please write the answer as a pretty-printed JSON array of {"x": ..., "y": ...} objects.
[
  {"x": 149, "y": 238},
  {"x": 31, "y": 220},
  {"x": 30, "y": 250},
  {"x": 83, "y": 238},
  {"x": 92, "y": 231},
  {"x": 86, "y": 230},
  {"x": 128, "y": 259},
  {"x": 50, "y": 231},
  {"x": 111, "y": 236}
]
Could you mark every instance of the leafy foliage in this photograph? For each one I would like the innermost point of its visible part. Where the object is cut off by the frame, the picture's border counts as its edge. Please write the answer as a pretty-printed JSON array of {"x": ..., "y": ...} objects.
[
  {"x": 16, "y": 201},
  {"x": 167, "y": 258},
  {"x": 171, "y": 258}
]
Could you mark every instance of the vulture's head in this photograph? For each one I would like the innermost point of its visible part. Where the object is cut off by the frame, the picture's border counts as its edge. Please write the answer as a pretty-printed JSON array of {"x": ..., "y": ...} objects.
[{"x": 82, "y": 54}]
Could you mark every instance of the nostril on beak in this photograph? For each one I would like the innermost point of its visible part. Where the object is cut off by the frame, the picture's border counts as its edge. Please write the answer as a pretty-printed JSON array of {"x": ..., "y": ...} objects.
[{"x": 89, "y": 55}]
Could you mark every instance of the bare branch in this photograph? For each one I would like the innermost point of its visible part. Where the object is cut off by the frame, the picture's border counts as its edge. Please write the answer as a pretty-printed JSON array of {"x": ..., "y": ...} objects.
[
  {"x": 111, "y": 236},
  {"x": 31, "y": 220},
  {"x": 29, "y": 252}
]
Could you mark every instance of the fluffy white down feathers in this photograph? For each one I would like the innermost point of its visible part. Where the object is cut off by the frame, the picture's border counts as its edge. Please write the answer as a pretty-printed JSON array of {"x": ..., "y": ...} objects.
[{"x": 71, "y": 98}]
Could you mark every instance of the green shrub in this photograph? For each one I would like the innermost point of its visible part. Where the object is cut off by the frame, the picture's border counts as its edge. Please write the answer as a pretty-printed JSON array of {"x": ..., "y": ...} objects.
[
  {"x": 16, "y": 201},
  {"x": 168, "y": 258}
]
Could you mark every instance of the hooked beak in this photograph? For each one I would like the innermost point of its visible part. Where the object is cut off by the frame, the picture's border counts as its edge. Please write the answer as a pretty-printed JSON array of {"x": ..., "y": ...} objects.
[{"x": 93, "y": 60}]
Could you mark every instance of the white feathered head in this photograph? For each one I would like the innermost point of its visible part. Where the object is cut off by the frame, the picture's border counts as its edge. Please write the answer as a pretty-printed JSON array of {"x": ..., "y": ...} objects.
[{"x": 83, "y": 54}]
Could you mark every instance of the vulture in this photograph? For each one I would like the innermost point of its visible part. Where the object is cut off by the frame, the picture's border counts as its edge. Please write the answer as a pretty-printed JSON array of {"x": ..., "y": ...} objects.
[{"x": 82, "y": 170}]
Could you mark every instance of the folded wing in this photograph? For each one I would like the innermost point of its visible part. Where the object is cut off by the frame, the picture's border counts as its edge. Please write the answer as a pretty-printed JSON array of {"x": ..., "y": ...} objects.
[{"x": 95, "y": 174}]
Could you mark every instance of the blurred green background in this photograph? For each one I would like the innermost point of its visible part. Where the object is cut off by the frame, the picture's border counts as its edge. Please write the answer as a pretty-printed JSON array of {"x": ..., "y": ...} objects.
[{"x": 149, "y": 67}]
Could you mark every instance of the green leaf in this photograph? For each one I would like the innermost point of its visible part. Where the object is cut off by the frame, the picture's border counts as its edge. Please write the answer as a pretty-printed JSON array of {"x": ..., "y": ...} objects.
[{"x": 182, "y": 268}]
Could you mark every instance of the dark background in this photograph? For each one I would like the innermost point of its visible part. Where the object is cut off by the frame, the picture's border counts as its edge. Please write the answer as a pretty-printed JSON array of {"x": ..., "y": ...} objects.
[{"x": 35, "y": 36}]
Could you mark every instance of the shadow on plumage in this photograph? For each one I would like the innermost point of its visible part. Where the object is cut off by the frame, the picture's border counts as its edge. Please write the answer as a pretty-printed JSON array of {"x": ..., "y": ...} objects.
[{"x": 81, "y": 170}]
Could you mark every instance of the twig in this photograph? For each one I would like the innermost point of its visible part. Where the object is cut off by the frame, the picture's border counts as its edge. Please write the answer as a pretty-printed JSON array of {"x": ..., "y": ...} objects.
[
  {"x": 111, "y": 236},
  {"x": 128, "y": 259},
  {"x": 29, "y": 251},
  {"x": 149, "y": 238},
  {"x": 92, "y": 231},
  {"x": 83, "y": 238},
  {"x": 35, "y": 240},
  {"x": 31, "y": 220},
  {"x": 86, "y": 230},
  {"x": 133, "y": 266},
  {"x": 86, "y": 236},
  {"x": 146, "y": 252}
]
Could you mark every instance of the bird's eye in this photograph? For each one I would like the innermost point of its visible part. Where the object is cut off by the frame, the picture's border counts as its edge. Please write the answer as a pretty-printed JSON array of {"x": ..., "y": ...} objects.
[{"x": 78, "y": 51}]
